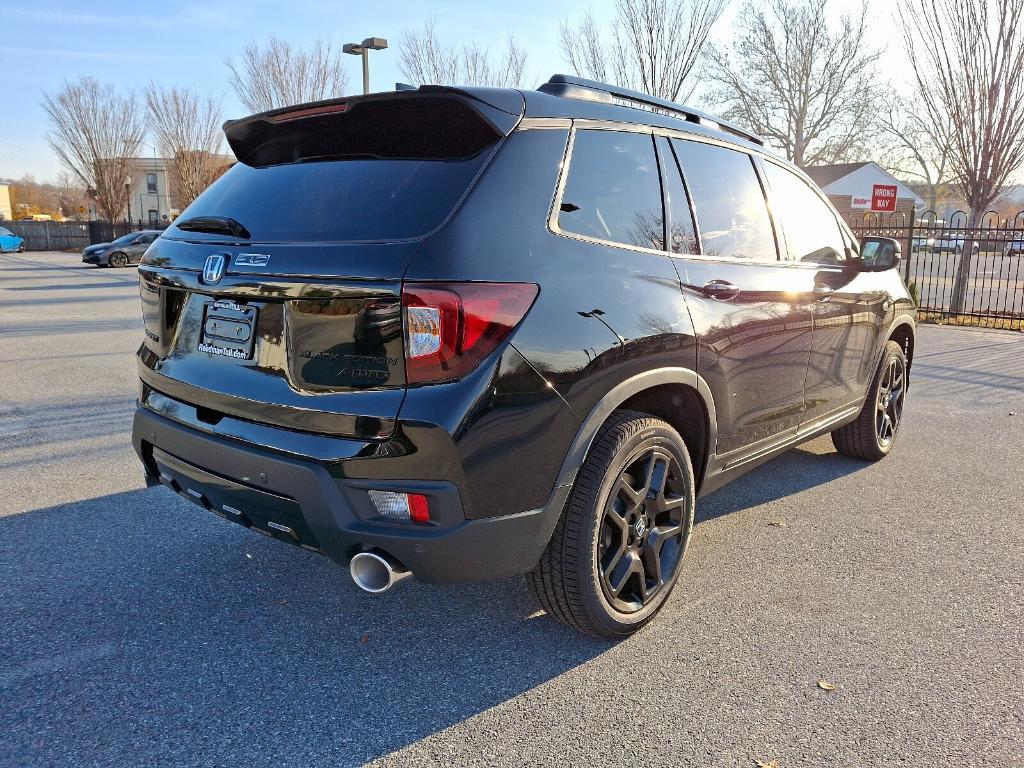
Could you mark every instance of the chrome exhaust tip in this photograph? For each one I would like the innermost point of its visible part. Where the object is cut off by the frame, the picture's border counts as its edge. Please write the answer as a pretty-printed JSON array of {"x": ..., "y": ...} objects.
[{"x": 376, "y": 572}]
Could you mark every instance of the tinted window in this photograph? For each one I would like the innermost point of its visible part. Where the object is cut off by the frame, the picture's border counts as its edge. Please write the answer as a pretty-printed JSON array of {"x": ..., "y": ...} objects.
[
  {"x": 338, "y": 200},
  {"x": 613, "y": 191},
  {"x": 681, "y": 238},
  {"x": 728, "y": 200},
  {"x": 812, "y": 233}
]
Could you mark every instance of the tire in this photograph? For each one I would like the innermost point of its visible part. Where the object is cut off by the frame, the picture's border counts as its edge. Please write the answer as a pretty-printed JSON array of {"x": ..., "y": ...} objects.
[
  {"x": 610, "y": 528},
  {"x": 117, "y": 260},
  {"x": 21, "y": 248},
  {"x": 873, "y": 434}
]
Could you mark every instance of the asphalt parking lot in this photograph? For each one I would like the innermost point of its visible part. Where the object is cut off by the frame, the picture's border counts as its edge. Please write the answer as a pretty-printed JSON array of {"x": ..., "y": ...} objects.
[{"x": 136, "y": 629}]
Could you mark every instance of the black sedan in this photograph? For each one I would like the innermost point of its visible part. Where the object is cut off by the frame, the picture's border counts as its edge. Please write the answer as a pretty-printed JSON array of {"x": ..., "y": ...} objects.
[{"x": 122, "y": 252}]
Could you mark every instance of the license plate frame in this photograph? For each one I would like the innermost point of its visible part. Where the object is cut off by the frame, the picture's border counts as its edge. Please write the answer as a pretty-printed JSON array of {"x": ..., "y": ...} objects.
[{"x": 229, "y": 330}]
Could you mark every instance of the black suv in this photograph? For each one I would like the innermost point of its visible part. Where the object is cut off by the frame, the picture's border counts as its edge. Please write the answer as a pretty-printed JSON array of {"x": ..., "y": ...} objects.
[{"x": 468, "y": 333}]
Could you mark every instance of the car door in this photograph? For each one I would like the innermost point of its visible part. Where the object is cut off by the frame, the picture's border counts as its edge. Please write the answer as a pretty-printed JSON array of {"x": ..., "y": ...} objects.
[
  {"x": 849, "y": 306},
  {"x": 138, "y": 247},
  {"x": 751, "y": 315}
]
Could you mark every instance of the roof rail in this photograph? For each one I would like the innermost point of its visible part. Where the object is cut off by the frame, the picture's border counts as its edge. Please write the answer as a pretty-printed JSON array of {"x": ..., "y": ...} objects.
[{"x": 572, "y": 87}]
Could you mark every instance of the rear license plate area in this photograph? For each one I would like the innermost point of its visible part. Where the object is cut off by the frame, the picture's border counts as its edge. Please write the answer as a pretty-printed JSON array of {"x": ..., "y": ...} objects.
[{"x": 229, "y": 330}]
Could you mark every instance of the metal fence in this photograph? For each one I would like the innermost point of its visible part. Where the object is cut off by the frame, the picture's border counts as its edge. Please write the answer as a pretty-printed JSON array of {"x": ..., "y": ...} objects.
[
  {"x": 71, "y": 235},
  {"x": 963, "y": 272}
]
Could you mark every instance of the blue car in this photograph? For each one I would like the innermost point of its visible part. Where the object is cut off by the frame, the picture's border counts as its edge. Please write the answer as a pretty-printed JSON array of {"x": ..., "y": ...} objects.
[{"x": 10, "y": 242}]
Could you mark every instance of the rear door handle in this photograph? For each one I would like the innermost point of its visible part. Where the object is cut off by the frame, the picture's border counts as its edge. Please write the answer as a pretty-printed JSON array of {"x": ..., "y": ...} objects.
[{"x": 722, "y": 290}]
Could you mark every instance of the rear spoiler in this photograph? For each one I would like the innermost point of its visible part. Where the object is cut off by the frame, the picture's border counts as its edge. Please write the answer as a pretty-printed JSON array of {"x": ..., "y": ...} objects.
[{"x": 470, "y": 118}]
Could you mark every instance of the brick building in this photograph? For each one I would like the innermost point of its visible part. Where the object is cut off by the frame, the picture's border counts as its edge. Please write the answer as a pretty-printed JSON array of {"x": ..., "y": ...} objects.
[{"x": 849, "y": 186}]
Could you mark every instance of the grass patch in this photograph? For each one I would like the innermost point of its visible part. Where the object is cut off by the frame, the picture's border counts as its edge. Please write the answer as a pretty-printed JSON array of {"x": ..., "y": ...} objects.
[{"x": 996, "y": 323}]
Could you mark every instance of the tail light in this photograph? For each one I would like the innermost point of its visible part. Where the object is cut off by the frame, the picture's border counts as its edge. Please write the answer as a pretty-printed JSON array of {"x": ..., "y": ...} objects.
[
  {"x": 450, "y": 328},
  {"x": 405, "y": 507}
]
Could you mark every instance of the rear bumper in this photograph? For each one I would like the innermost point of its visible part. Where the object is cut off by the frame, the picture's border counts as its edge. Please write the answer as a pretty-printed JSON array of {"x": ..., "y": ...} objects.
[{"x": 297, "y": 500}]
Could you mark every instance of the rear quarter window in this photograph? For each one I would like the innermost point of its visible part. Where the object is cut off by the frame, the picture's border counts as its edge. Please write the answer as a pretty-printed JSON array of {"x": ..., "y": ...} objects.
[{"x": 613, "y": 191}]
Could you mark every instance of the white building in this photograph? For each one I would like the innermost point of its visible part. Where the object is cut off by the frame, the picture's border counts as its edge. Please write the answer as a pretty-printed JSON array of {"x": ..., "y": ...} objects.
[
  {"x": 865, "y": 189},
  {"x": 6, "y": 214},
  {"x": 150, "y": 201}
]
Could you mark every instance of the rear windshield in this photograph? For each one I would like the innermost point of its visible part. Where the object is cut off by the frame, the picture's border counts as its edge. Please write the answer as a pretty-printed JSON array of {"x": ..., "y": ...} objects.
[{"x": 338, "y": 200}]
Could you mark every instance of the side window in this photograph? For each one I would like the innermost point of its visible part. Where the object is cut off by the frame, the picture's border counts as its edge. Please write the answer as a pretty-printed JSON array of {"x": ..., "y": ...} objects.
[
  {"x": 728, "y": 200},
  {"x": 812, "y": 232},
  {"x": 613, "y": 191},
  {"x": 681, "y": 238}
]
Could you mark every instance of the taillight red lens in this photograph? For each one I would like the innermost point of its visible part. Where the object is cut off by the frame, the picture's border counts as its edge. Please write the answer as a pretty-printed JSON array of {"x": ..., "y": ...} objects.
[
  {"x": 419, "y": 508},
  {"x": 450, "y": 328}
]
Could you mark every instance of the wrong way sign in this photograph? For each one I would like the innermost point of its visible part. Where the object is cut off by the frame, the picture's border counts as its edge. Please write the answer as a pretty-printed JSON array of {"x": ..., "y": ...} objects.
[{"x": 883, "y": 197}]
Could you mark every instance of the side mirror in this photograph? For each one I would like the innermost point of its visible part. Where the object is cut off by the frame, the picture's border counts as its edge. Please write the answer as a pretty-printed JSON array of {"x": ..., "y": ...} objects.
[{"x": 879, "y": 254}]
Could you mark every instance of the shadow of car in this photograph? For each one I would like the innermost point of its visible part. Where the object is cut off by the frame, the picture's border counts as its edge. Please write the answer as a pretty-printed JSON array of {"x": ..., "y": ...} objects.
[{"x": 175, "y": 639}]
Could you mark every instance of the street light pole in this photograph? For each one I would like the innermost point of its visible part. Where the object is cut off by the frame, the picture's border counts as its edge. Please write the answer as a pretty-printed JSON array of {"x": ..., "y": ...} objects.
[{"x": 363, "y": 49}]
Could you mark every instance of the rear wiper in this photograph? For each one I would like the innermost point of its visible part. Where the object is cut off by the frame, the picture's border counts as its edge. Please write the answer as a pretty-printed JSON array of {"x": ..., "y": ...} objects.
[{"x": 218, "y": 225}]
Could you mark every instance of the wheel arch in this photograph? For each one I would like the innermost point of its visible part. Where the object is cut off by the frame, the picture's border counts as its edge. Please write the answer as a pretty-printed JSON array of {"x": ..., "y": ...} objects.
[
  {"x": 679, "y": 396},
  {"x": 903, "y": 332}
]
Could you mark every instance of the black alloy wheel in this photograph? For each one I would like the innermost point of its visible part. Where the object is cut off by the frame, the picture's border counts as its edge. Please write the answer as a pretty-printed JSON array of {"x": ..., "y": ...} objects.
[
  {"x": 616, "y": 552},
  {"x": 873, "y": 433},
  {"x": 889, "y": 403},
  {"x": 641, "y": 538}
]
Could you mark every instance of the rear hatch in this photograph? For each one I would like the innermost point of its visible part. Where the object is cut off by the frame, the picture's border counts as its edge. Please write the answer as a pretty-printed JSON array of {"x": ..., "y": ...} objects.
[{"x": 276, "y": 296}]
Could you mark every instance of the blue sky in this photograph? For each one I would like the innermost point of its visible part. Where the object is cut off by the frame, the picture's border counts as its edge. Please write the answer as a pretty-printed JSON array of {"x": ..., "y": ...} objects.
[{"x": 184, "y": 42}]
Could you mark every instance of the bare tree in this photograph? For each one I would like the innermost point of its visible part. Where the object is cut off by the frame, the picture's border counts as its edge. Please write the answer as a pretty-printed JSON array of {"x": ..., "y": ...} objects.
[
  {"x": 918, "y": 148},
  {"x": 277, "y": 74},
  {"x": 58, "y": 200},
  {"x": 423, "y": 58},
  {"x": 805, "y": 85},
  {"x": 96, "y": 134},
  {"x": 968, "y": 62},
  {"x": 71, "y": 196},
  {"x": 187, "y": 131},
  {"x": 653, "y": 45}
]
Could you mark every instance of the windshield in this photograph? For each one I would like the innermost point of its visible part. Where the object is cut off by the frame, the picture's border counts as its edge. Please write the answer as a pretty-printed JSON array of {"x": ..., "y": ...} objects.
[
  {"x": 125, "y": 239},
  {"x": 338, "y": 200}
]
